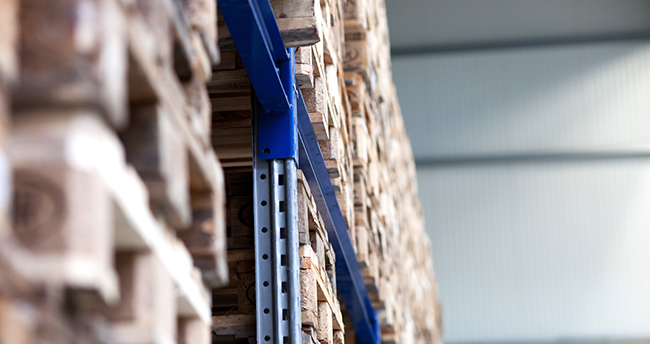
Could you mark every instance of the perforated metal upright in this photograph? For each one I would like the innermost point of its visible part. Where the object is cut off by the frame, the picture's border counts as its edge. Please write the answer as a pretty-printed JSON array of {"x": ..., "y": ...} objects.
[
  {"x": 277, "y": 269},
  {"x": 283, "y": 139}
]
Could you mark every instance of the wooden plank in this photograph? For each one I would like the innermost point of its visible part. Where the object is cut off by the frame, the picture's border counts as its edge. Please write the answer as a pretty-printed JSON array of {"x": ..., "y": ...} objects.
[
  {"x": 325, "y": 334},
  {"x": 228, "y": 81},
  {"x": 299, "y": 22},
  {"x": 239, "y": 326},
  {"x": 9, "y": 22},
  {"x": 231, "y": 103},
  {"x": 15, "y": 322}
]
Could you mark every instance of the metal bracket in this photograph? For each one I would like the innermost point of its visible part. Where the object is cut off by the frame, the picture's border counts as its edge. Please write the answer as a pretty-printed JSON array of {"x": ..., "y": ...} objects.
[
  {"x": 277, "y": 130},
  {"x": 271, "y": 70}
]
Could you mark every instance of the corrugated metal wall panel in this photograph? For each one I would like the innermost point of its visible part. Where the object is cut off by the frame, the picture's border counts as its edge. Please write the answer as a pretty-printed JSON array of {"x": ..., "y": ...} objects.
[
  {"x": 436, "y": 22},
  {"x": 548, "y": 99},
  {"x": 541, "y": 252}
]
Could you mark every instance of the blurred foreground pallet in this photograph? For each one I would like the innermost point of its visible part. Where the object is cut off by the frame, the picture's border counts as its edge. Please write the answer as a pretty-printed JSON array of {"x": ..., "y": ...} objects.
[{"x": 117, "y": 231}]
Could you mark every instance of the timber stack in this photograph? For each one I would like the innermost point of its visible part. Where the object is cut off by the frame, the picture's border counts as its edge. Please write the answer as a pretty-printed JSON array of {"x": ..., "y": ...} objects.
[
  {"x": 112, "y": 223},
  {"x": 126, "y": 186},
  {"x": 344, "y": 72},
  {"x": 392, "y": 246}
]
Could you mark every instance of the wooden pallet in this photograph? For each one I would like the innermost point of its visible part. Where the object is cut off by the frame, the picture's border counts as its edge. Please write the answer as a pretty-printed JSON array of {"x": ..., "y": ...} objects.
[{"x": 118, "y": 200}]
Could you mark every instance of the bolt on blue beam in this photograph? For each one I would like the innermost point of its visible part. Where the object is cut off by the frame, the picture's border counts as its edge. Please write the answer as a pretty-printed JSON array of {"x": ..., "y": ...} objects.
[
  {"x": 352, "y": 287},
  {"x": 277, "y": 132},
  {"x": 256, "y": 35}
]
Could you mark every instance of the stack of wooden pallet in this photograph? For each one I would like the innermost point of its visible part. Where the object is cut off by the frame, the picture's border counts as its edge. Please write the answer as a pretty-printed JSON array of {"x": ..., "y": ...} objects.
[
  {"x": 392, "y": 247},
  {"x": 114, "y": 207},
  {"x": 322, "y": 319},
  {"x": 343, "y": 70},
  {"x": 117, "y": 227}
]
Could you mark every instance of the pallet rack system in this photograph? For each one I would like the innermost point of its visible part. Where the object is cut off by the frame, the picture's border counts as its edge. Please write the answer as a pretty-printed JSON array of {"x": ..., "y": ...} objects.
[{"x": 284, "y": 139}]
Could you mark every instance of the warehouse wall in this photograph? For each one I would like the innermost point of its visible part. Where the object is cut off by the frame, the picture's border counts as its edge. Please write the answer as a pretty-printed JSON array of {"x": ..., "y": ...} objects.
[
  {"x": 425, "y": 23},
  {"x": 536, "y": 188},
  {"x": 548, "y": 99}
]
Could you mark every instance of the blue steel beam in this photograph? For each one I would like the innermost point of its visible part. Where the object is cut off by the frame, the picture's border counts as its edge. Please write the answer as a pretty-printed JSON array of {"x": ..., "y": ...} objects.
[
  {"x": 255, "y": 32},
  {"x": 352, "y": 287}
]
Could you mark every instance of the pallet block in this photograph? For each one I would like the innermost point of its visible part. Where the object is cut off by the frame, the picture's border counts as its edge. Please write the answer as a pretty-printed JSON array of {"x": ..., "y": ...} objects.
[
  {"x": 146, "y": 313},
  {"x": 62, "y": 211},
  {"x": 158, "y": 153},
  {"x": 73, "y": 53},
  {"x": 16, "y": 325},
  {"x": 193, "y": 331},
  {"x": 324, "y": 334}
]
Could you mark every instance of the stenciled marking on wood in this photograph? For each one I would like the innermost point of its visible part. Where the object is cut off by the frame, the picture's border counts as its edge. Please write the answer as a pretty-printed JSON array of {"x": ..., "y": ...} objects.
[{"x": 39, "y": 209}]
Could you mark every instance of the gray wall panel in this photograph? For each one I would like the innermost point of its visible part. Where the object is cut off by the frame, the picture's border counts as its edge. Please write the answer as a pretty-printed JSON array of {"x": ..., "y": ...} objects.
[
  {"x": 436, "y": 22},
  {"x": 553, "y": 99},
  {"x": 541, "y": 252}
]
